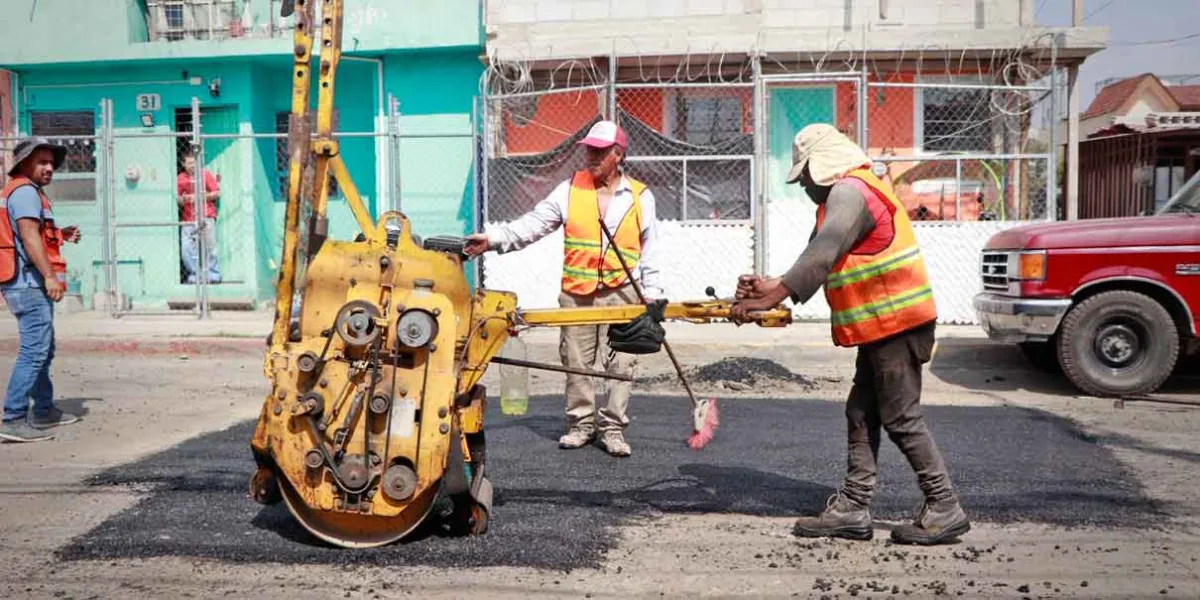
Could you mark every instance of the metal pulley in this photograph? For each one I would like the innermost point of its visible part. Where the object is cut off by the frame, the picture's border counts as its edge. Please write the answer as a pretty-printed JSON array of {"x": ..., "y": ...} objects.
[
  {"x": 416, "y": 328},
  {"x": 399, "y": 482},
  {"x": 356, "y": 323}
]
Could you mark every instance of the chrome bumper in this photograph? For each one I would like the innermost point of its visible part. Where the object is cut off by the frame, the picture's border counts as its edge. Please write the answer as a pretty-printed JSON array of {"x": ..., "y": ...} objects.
[{"x": 1009, "y": 319}]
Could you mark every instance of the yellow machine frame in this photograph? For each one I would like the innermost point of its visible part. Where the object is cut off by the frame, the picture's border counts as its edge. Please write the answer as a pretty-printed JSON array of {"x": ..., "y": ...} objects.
[{"x": 376, "y": 415}]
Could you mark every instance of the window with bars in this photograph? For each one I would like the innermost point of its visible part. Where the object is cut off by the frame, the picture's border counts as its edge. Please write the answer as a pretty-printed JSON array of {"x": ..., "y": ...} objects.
[
  {"x": 175, "y": 20},
  {"x": 282, "y": 161},
  {"x": 706, "y": 119},
  {"x": 75, "y": 129},
  {"x": 954, "y": 120}
]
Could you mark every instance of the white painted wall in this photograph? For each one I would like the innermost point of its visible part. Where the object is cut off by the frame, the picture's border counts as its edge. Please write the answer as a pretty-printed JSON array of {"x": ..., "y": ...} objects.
[{"x": 699, "y": 255}]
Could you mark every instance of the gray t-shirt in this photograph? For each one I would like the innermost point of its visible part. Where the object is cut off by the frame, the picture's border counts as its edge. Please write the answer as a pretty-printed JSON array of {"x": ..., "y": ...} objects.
[
  {"x": 24, "y": 203},
  {"x": 847, "y": 222}
]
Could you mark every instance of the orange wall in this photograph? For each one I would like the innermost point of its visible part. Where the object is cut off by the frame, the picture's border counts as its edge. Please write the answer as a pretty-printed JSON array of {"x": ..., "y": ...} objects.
[
  {"x": 562, "y": 114},
  {"x": 646, "y": 105},
  {"x": 6, "y": 104},
  {"x": 558, "y": 116},
  {"x": 889, "y": 115}
]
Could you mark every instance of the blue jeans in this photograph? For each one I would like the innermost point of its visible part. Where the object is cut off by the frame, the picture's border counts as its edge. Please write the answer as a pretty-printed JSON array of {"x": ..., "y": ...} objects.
[
  {"x": 30, "y": 376},
  {"x": 189, "y": 246}
]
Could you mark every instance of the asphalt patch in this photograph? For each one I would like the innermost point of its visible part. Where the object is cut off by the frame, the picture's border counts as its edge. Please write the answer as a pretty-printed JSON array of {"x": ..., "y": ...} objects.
[
  {"x": 558, "y": 509},
  {"x": 738, "y": 372}
]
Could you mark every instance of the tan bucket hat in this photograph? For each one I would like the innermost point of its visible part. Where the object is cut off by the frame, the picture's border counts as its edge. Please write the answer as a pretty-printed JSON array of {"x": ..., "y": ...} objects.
[
  {"x": 26, "y": 147},
  {"x": 828, "y": 153}
]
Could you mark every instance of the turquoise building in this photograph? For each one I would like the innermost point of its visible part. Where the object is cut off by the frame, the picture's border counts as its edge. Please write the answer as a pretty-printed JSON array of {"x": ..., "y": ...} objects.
[{"x": 150, "y": 60}]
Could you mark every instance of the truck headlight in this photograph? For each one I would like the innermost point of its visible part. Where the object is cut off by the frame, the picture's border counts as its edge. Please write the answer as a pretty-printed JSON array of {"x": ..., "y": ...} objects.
[{"x": 1031, "y": 265}]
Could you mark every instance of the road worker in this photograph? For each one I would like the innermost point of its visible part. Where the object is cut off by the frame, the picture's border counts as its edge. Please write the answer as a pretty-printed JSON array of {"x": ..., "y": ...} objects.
[
  {"x": 33, "y": 276},
  {"x": 592, "y": 274},
  {"x": 864, "y": 252}
]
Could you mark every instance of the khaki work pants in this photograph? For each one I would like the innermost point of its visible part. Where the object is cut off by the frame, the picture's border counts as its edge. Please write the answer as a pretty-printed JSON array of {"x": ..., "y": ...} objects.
[
  {"x": 579, "y": 347},
  {"x": 887, "y": 395}
]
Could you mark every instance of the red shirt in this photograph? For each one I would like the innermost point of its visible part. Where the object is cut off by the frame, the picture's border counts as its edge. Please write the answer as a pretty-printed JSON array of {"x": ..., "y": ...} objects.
[
  {"x": 185, "y": 185},
  {"x": 882, "y": 212}
]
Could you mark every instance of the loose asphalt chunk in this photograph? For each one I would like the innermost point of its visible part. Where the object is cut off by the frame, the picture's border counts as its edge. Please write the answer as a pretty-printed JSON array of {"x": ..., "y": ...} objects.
[{"x": 560, "y": 509}]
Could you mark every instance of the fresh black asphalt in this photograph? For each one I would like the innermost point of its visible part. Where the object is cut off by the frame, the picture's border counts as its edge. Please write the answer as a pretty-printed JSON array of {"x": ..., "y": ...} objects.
[{"x": 558, "y": 509}]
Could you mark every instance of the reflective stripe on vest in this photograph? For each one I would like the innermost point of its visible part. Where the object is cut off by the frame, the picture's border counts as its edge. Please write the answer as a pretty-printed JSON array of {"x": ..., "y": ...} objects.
[
  {"x": 51, "y": 236},
  {"x": 584, "y": 269},
  {"x": 875, "y": 296}
]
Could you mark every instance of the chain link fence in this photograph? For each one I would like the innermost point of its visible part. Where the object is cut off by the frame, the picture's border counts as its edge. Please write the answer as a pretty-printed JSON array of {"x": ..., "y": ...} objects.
[
  {"x": 77, "y": 182},
  {"x": 971, "y": 149},
  {"x": 691, "y": 144},
  {"x": 188, "y": 217},
  {"x": 966, "y": 155}
]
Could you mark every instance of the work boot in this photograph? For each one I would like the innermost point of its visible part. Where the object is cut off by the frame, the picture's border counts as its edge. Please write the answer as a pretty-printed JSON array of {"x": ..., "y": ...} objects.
[
  {"x": 577, "y": 437},
  {"x": 18, "y": 430},
  {"x": 52, "y": 419},
  {"x": 936, "y": 523},
  {"x": 614, "y": 443},
  {"x": 842, "y": 518}
]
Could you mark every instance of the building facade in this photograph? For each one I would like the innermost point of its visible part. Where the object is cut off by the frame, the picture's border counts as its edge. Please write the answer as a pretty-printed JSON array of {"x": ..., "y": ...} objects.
[
  {"x": 954, "y": 100},
  {"x": 404, "y": 107},
  {"x": 1141, "y": 144}
]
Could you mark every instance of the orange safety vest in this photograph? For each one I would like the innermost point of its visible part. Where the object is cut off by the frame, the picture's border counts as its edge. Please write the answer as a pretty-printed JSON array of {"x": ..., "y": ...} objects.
[
  {"x": 878, "y": 295},
  {"x": 51, "y": 235},
  {"x": 584, "y": 269}
]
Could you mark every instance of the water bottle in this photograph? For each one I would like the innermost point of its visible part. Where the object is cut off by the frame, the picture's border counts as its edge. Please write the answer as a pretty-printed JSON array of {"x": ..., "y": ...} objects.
[{"x": 514, "y": 381}]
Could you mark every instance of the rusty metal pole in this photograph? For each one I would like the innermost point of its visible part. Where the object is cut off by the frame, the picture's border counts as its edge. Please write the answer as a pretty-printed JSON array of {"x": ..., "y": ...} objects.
[{"x": 299, "y": 147}]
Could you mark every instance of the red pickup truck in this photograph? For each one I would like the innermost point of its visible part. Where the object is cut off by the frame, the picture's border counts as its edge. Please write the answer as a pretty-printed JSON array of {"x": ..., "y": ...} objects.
[{"x": 1112, "y": 302}]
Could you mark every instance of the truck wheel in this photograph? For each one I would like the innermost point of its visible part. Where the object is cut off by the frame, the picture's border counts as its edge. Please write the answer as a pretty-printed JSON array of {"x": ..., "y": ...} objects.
[
  {"x": 1043, "y": 356},
  {"x": 1118, "y": 343}
]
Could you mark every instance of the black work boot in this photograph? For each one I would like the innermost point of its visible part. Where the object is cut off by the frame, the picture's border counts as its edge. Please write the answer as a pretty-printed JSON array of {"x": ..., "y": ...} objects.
[
  {"x": 936, "y": 523},
  {"x": 842, "y": 518}
]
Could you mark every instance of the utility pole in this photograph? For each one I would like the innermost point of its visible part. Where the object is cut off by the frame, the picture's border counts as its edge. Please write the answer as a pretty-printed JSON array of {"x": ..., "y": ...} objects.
[{"x": 1073, "y": 124}]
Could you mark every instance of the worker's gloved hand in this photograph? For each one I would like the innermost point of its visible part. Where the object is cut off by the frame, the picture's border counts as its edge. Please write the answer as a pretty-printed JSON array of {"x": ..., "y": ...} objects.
[{"x": 643, "y": 335}]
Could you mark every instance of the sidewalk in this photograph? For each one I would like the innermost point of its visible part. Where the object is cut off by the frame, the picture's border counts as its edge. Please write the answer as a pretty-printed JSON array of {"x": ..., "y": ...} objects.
[{"x": 250, "y": 329}]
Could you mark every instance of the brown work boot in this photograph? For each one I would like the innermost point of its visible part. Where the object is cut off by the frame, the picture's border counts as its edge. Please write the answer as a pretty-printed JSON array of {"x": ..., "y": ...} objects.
[
  {"x": 577, "y": 437},
  {"x": 842, "y": 518},
  {"x": 614, "y": 443},
  {"x": 936, "y": 523}
]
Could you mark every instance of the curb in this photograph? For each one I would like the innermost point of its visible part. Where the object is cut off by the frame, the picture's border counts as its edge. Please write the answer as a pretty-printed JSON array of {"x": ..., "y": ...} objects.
[{"x": 209, "y": 347}]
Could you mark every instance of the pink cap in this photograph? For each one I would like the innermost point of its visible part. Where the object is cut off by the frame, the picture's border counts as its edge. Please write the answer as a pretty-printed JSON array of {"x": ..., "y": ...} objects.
[{"x": 604, "y": 134}]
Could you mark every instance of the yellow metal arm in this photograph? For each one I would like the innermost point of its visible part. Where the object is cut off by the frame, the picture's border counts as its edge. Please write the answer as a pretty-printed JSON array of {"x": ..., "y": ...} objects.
[{"x": 702, "y": 311}]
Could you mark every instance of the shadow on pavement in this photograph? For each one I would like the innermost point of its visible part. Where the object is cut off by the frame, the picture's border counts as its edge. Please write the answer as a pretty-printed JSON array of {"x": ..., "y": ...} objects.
[
  {"x": 562, "y": 509},
  {"x": 76, "y": 406},
  {"x": 984, "y": 365}
]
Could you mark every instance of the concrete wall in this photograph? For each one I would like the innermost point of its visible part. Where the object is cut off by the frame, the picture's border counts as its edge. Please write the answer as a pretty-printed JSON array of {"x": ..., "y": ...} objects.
[
  {"x": 805, "y": 13},
  {"x": 523, "y": 30}
]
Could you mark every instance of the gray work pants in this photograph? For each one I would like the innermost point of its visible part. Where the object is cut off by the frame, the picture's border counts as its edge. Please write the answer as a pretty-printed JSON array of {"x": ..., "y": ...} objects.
[
  {"x": 886, "y": 395},
  {"x": 579, "y": 347}
]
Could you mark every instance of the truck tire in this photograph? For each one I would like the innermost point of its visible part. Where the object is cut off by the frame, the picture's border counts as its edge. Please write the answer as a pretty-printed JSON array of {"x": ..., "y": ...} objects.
[
  {"x": 1043, "y": 356},
  {"x": 1118, "y": 343}
]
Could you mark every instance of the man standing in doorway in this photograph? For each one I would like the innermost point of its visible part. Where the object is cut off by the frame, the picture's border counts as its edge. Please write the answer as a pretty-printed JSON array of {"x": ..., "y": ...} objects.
[
  {"x": 32, "y": 278},
  {"x": 865, "y": 254},
  {"x": 592, "y": 274},
  {"x": 189, "y": 232}
]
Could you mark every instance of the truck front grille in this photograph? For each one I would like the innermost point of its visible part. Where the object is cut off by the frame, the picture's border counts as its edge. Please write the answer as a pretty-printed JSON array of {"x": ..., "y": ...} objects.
[{"x": 994, "y": 270}]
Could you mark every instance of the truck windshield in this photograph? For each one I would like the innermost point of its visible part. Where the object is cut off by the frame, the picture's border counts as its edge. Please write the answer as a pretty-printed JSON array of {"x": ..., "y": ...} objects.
[{"x": 1186, "y": 200}]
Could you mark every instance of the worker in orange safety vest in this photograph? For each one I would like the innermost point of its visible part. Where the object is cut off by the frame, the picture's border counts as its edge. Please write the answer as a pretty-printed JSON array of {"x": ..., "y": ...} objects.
[
  {"x": 32, "y": 278},
  {"x": 592, "y": 274},
  {"x": 865, "y": 254}
]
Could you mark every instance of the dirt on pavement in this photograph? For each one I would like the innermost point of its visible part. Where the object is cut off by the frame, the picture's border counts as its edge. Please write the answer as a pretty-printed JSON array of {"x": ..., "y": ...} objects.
[{"x": 135, "y": 406}]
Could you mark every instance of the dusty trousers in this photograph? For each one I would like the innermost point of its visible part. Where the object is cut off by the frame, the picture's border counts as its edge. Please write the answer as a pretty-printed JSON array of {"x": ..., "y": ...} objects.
[
  {"x": 886, "y": 396},
  {"x": 579, "y": 347}
]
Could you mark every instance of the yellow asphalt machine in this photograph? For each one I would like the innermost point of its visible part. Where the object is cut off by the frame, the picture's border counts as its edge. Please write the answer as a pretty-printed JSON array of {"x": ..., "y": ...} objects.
[{"x": 375, "y": 418}]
